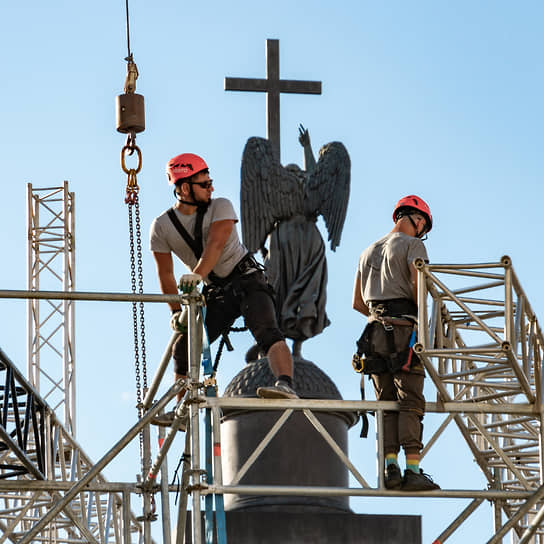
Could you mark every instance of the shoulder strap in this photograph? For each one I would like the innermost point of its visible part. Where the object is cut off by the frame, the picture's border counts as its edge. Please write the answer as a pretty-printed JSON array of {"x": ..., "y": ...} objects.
[{"x": 194, "y": 243}]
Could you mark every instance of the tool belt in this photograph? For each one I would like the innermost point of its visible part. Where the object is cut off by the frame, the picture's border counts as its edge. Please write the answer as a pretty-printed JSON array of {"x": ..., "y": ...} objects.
[{"x": 386, "y": 342}]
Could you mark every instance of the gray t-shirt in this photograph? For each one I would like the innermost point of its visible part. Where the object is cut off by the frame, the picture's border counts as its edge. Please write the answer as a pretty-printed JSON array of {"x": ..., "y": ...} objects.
[
  {"x": 384, "y": 267},
  {"x": 164, "y": 237}
]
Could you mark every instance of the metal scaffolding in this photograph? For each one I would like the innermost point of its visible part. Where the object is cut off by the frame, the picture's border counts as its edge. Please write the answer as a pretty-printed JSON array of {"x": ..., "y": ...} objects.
[
  {"x": 39, "y": 459},
  {"x": 482, "y": 344},
  {"x": 482, "y": 348},
  {"x": 51, "y": 264}
]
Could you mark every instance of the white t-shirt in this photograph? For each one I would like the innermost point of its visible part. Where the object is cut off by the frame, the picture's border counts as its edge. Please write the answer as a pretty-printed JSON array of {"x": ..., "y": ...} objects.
[{"x": 165, "y": 238}]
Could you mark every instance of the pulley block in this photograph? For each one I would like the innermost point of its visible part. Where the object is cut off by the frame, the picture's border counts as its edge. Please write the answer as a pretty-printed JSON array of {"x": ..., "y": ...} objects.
[{"x": 130, "y": 113}]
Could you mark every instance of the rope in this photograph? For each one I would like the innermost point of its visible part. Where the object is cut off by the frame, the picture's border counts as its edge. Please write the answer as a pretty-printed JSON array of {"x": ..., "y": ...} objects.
[
  {"x": 222, "y": 344},
  {"x": 129, "y": 55}
]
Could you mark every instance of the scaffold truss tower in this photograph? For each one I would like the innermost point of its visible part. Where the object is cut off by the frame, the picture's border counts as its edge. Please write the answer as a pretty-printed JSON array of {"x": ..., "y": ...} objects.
[{"x": 51, "y": 265}]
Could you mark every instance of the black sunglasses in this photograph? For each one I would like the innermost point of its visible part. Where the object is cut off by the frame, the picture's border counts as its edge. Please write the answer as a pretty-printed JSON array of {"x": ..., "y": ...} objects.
[{"x": 203, "y": 184}]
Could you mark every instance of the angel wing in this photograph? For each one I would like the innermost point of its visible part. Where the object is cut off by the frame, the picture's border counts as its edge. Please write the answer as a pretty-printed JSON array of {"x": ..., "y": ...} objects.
[
  {"x": 268, "y": 193},
  {"x": 327, "y": 190}
]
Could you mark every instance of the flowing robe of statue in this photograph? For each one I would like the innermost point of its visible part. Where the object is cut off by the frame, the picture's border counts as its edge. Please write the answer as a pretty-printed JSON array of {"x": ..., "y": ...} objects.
[
  {"x": 283, "y": 204},
  {"x": 297, "y": 269}
]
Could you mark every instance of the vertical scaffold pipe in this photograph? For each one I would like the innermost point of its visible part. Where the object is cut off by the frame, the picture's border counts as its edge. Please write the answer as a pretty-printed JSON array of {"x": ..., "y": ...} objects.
[
  {"x": 421, "y": 303},
  {"x": 214, "y": 474},
  {"x": 165, "y": 501},
  {"x": 126, "y": 516},
  {"x": 194, "y": 374},
  {"x": 182, "y": 502},
  {"x": 508, "y": 301},
  {"x": 208, "y": 499},
  {"x": 380, "y": 459},
  {"x": 220, "y": 521},
  {"x": 147, "y": 494}
]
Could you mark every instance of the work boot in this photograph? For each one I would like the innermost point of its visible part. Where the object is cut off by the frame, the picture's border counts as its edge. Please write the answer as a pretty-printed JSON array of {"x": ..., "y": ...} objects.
[
  {"x": 167, "y": 420},
  {"x": 393, "y": 477},
  {"x": 417, "y": 482},
  {"x": 280, "y": 390}
]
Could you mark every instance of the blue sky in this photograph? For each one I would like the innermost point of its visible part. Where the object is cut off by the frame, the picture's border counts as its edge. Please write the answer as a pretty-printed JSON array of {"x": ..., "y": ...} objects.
[{"x": 441, "y": 99}]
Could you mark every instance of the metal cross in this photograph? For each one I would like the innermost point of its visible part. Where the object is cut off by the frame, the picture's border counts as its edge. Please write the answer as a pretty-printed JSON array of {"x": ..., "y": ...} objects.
[{"x": 273, "y": 86}]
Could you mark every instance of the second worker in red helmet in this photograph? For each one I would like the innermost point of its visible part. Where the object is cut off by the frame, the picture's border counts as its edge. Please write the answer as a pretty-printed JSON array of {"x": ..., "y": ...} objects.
[{"x": 386, "y": 291}]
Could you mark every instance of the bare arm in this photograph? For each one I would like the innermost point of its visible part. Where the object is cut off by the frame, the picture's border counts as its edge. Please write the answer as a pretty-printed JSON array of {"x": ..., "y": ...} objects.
[
  {"x": 358, "y": 303},
  {"x": 217, "y": 238},
  {"x": 167, "y": 280}
]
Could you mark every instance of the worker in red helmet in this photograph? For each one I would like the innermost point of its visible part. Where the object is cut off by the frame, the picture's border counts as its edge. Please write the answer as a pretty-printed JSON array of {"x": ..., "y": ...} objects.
[
  {"x": 201, "y": 232},
  {"x": 385, "y": 291}
]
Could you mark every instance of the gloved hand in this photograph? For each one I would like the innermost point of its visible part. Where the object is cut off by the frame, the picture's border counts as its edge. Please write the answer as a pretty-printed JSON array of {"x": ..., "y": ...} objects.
[
  {"x": 357, "y": 362},
  {"x": 188, "y": 282},
  {"x": 178, "y": 322}
]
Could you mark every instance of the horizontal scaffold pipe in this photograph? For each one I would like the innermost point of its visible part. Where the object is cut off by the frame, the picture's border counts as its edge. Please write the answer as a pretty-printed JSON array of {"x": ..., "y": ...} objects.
[
  {"x": 471, "y": 266},
  {"x": 7, "y": 486},
  {"x": 362, "y": 492},
  {"x": 136, "y": 488},
  {"x": 102, "y": 297},
  {"x": 360, "y": 406}
]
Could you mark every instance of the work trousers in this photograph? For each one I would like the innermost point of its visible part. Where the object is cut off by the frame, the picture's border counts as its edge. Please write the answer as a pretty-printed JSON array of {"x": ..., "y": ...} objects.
[
  {"x": 403, "y": 428},
  {"x": 247, "y": 295}
]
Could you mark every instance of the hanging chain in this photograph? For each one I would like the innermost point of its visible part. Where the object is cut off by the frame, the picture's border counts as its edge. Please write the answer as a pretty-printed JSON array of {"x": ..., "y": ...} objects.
[
  {"x": 141, "y": 292},
  {"x": 135, "y": 313},
  {"x": 136, "y": 278}
]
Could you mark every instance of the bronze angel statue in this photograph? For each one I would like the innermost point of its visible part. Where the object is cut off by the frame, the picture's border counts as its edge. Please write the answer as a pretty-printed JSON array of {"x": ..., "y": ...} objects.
[{"x": 280, "y": 206}]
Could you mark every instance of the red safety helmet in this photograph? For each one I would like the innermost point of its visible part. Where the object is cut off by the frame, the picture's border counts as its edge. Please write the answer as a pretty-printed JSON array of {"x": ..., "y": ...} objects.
[
  {"x": 416, "y": 204},
  {"x": 184, "y": 166}
]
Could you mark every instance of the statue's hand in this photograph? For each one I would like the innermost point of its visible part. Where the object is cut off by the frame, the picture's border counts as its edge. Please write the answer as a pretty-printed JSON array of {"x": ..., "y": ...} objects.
[{"x": 304, "y": 136}]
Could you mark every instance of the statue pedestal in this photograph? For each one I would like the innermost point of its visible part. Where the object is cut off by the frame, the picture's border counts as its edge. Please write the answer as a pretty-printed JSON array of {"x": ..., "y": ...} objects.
[
  {"x": 297, "y": 455},
  {"x": 271, "y": 527}
]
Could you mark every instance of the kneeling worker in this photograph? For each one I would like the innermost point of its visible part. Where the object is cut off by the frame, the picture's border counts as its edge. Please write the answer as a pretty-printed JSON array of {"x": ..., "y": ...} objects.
[
  {"x": 386, "y": 291},
  {"x": 201, "y": 232}
]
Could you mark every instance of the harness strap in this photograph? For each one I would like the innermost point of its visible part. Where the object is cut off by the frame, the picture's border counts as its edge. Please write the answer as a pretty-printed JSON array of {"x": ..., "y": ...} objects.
[
  {"x": 194, "y": 243},
  {"x": 362, "y": 413},
  {"x": 389, "y": 336}
]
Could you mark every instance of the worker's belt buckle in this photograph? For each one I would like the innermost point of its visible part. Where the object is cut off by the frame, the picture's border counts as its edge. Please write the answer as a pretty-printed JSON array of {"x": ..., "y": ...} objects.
[
  {"x": 247, "y": 264},
  {"x": 388, "y": 326}
]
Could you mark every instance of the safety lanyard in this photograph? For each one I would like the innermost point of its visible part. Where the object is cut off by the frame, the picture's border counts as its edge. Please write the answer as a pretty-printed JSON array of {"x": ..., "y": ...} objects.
[{"x": 206, "y": 351}]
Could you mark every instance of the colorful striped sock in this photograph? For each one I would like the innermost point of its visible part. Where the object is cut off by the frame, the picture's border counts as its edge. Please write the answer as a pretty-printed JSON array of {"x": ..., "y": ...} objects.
[
  {"x": 412, "y": 462},
  {"x": 391, "y": 459}
]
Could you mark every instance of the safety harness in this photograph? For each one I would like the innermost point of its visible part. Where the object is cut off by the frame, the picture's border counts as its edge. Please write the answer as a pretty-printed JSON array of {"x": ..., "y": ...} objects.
[
  {"x": 375, "y": 357},
  {"x": 214, "y": 289},
  {"x": 378, "y": 353}
]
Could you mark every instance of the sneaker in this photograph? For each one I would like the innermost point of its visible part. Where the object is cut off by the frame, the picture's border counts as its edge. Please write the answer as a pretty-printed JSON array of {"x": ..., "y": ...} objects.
[
  {"x": 418, "y": 482},
  {"x": 280, "y": 390},
  {"x": 393, "y": 477},
  {"x": 167, "y": 420}
]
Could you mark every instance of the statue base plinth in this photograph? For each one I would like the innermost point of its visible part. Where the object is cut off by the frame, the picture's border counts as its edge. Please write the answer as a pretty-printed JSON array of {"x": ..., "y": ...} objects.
[{"x": 272, "y": 527}]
